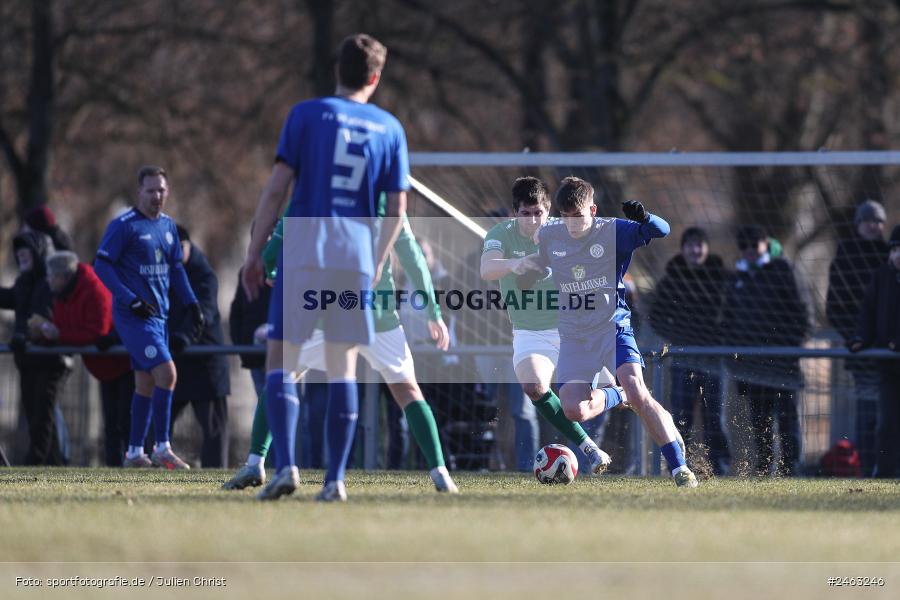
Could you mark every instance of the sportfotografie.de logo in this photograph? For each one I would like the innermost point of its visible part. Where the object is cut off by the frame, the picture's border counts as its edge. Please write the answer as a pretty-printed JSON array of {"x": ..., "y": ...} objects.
[{"x": 453, "y": 299}]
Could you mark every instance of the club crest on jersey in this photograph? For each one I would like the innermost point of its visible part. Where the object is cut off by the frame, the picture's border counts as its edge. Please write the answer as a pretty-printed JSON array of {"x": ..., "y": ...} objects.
[
  {"x": 596, "y": 250},
  {"x": 158, "y": 254},
  {"x": 169, "y": 239},
  {"x": 578, "y": 272}
]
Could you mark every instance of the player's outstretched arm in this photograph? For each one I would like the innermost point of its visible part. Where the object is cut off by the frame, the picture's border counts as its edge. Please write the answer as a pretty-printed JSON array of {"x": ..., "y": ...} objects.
[
  {"x": 394, "y": 210},
  {"x": 494, "y": 266},
  {"x": 650, "y": 226},
  {"x": 273, "y": 197},
  {"x": 656, "y": 227}
]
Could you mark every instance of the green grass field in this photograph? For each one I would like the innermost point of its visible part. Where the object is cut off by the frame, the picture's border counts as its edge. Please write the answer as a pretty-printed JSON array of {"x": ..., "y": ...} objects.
[{"x": 633, "y": 525}]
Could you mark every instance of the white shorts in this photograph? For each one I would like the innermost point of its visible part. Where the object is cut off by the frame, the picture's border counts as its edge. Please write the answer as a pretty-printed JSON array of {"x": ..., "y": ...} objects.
[
  {"x": 527, "y": 342},
  {"x": 389, "y": 355}
]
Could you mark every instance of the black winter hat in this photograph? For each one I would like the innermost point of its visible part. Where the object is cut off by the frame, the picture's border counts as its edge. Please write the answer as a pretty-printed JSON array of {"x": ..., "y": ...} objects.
[{"x": 750, "y": 234}]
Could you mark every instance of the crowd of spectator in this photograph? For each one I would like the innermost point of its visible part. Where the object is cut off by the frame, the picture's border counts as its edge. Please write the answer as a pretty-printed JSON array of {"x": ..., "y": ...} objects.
[
  {"x": 757, "y": 303},
  {"x": 699, "y": 300},
  {"x": 59, "y": 300}
]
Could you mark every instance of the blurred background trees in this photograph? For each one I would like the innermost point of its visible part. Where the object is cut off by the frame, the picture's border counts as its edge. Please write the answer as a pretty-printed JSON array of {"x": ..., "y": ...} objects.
[{"x": 91, "y": 89}]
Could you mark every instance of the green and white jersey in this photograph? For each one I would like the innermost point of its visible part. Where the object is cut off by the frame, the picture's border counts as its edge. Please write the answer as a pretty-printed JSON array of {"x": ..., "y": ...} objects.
[{"x": 506, "y": 238}]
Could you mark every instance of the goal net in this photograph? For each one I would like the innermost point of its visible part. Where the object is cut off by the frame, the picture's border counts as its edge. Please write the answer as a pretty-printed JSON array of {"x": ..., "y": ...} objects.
[{"x": 803, "y": 205}]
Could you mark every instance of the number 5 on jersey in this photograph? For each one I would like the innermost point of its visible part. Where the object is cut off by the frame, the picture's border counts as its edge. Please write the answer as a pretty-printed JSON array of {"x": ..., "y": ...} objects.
[{"x": 344, "y": 157}]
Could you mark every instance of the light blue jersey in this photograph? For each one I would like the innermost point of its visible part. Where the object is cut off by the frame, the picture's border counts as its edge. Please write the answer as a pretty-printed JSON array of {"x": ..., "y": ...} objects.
[{"x": 589, "y": 271}]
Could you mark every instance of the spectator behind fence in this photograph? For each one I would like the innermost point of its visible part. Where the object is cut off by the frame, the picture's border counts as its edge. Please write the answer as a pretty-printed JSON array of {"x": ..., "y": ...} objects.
[
  {"x": 203, "y": 381},
  {"x": 82, "y": 315},
  {"x": 40, "y": 376},
  {"x": 763, "y": 308},
  {"x": 855, "y": 261},
  {"x": 686, "y": 311},
  {"x": 879, "y": 326},
  {"x": 42, "y": 220}
]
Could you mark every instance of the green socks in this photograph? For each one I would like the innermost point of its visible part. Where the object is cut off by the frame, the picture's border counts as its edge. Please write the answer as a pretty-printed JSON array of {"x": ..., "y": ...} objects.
[
  {"x": 424, "y": 429},
  {"x": 260, "y": 436},
  {"x": 418, "y": 416},
  {"x": 551, "y": 409}
]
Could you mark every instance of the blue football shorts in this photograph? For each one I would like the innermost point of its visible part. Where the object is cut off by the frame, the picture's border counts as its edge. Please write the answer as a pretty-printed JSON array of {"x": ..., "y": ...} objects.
[
  {"x": 147, "y": 340},
  {"x": 341, "y": 303},
  {"x": 581, "y": 358}
]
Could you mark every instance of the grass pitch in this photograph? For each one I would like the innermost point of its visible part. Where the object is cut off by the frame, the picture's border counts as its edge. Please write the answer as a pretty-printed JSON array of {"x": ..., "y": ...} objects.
[{"x": 642, "y": 526}]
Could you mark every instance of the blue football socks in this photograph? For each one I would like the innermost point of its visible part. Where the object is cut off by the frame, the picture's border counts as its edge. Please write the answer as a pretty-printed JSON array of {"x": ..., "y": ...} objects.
[
  {"x": 140, "y": 420},
  {"x": 340, "y": 422},
  {"x": 162, "y": 414},
  {"x": 282, "y": 412},
  {"x": 613, "y": 397},
  {"x": 674, "y": 456}
]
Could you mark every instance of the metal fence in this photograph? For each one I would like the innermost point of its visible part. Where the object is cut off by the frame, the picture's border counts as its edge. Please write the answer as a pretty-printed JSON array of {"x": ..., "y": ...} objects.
[{"x": 826, "y": 404}]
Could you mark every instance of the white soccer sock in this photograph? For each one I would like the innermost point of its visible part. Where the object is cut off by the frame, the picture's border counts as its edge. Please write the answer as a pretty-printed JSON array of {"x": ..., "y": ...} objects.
[
  {"x": 134, "y": 451},
  {"x": 587, "y": 443},
  {"x": 678, "y": 470},
  {"x": 161, "y": 447},
  {"x": 254, "y": 459}
]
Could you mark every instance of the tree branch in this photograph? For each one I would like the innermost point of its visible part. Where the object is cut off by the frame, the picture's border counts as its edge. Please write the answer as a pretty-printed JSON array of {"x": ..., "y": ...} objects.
[
  {"x": 500, "y": 62},
  {"x": 713, "y": 24}
]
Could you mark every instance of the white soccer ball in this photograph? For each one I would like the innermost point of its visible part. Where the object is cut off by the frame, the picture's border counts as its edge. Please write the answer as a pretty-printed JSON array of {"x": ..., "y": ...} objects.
[{"x": 555, "y": 463}]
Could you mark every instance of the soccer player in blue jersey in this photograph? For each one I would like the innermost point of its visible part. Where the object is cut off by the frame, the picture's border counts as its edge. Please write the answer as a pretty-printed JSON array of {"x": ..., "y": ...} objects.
[
  {"x": 588, "y": 256},
  {"x": 340, "y": 153},
  {"x": 139, "y": 257}
]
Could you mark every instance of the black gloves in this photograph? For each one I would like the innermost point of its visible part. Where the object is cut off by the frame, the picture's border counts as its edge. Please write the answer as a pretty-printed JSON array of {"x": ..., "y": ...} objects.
[
  {"x": 199, "y": 320},
  {"x": 855, "y": 344},
  {"x": 526, "y": 281},
  {"x": 635, "y": 211},
  {"x": 17, "y": 343},
  {"x": 142, "y": 309}
]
